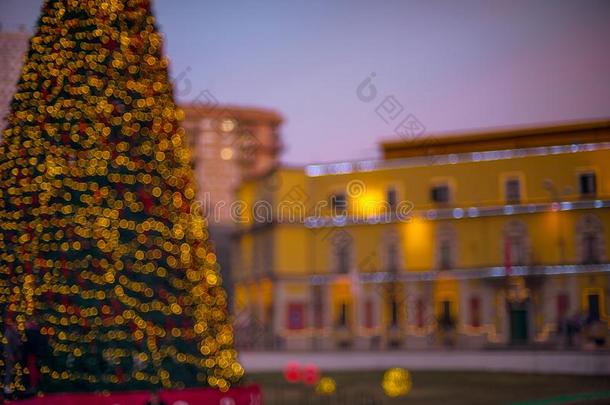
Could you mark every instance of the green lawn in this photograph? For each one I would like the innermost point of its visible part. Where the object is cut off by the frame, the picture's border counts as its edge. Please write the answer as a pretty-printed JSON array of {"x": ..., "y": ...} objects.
[{"x": 440, "y": 387}]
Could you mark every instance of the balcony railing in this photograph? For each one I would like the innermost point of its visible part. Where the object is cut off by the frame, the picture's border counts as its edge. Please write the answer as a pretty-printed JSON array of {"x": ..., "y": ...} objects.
[
  {"x": 462, "y": 274},
  {"x": 456, "y": 213}
]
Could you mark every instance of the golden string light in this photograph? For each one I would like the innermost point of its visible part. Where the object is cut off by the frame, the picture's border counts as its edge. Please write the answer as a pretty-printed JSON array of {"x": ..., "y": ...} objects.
[{"x": 97, "y": 238}]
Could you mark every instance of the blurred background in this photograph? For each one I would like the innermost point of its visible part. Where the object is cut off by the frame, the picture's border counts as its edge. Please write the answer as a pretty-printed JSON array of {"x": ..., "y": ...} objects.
[{"x": 403, "y": 196}]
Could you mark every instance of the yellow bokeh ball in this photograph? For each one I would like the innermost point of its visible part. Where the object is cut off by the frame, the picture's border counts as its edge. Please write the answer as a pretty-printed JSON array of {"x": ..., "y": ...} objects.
[
  {"x": 326, "y": 386},
  {"x": 396, "y": 382}
]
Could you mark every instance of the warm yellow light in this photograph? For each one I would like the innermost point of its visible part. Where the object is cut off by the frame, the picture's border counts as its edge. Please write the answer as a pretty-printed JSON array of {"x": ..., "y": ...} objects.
[
  {"x": 227, "y": 125},
  {"x": 226, "y": 153},
  {"x": 326, "y": 386},
  {"x": 417, "y": 241},
  {"x": 396, "y": 382},
  {"x": 370, "y": 203}
]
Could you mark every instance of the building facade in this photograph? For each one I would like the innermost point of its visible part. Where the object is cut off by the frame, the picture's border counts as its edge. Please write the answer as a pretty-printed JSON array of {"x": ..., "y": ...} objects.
[
  {"x": 229, "y": 145},
  {"x": 473, "y": 241}
]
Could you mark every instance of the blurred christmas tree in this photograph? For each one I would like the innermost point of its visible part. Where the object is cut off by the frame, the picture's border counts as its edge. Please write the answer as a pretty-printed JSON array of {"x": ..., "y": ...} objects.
[{"x": 98, "y": 241}]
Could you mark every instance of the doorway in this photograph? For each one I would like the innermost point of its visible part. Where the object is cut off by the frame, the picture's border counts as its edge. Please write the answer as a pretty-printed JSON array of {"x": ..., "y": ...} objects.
[
  {"x": 593, "y": 303},
  {"x": 519, "y": 324}
]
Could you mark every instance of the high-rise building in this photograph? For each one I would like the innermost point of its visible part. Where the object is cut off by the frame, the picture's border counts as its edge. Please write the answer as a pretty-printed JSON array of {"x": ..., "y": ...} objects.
[
  {"x": 13, "y": 46},
  {"x": 229, "y": 145}
]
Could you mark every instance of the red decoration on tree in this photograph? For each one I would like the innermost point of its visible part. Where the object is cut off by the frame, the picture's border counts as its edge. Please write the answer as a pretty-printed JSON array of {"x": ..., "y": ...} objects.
[
  {"x": 146, "y": 199},
  {"x": 116, "y": 306},
  {"x": 111, "y": 44},
  {"x": 98, "y": 196},
  {"x": 120, "y": 374},
  {"x": 169, "y": 324}
]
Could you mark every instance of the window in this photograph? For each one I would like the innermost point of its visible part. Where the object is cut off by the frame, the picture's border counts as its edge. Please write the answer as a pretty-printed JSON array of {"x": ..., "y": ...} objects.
[
  {"x": 590, "y": 240},
  {"x": 296, "y": 316},
  {"x": 392, "y": 258},
  {"x": 588, "y": 184},
  {"x": 318, "y": 307},
  {"x": 445, "y": 247},
  {"x": 393, "y": 312},
  {"x": 516, "y": 250},
  {"x": 192, "y": 137},
  {"x": 513, "y": 191},
  {"x": 440, "y": 194},
  {"x": 590, "y": 246},
  {"x": 392, "y": 198},
  {"x": 516, "y": 244},
  {"x": 338, "y": 203},
  {"x": 342, "y": 320},
  {"x": 341, "y": 252},
  {"x": 563, "y": 304},
  {"x": 343, "y": 258},
  {"x": 268, "y": 311},
  {"x": 445, "y": 255},
  {"x": 420, "y": 311},
  {"x": 390, "y": 252},
  {"x": 369, "y": 320},
  {"x": 446, "y": 318},
  {"x": 475, "y": 312},
  {"x": 593, "y": 301}
]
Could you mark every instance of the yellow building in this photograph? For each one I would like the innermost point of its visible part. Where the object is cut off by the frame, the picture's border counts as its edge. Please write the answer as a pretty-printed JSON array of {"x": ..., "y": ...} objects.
[{"x": 472, "y": 240}]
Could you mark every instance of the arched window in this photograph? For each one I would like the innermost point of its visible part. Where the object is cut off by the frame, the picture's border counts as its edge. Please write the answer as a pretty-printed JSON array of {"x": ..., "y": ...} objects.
[
  {"x": 590, "y": 248},
  {"x": 342, "y": 252},
  {"x": 391, "y": 261},
  {"x": 369, "y": 314},
  {"x": 445, "y": 254},
  {"x": 391, "y": 252},
  {"x": 343, "y": 315},
  {"x": 563, "y": 305},
  {"x": 475, "y": 311},
  {"x": 590, "y": 240},
  {"x": 393, "y": 312},
  {"x": 318, "y": 306},
  {"x": 420, "y": 313},
  {"x": 516, "y": 244},
  {"x": 445, "y": 248}
]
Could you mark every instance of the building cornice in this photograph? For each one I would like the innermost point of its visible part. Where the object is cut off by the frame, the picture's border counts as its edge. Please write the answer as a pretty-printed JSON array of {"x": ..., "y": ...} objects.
[
  {"x": 362, "y": 166},
  {"x": 565, "y": 133},
  {"x": 244, "y": 115}
]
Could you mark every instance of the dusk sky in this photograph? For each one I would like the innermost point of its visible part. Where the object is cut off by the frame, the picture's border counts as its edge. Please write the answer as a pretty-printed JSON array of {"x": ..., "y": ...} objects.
[{"x": 452, "y": 64}]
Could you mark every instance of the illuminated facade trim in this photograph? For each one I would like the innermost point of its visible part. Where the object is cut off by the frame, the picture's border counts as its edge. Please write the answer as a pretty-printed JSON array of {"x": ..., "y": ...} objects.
[
  {"x": 449, "y": 159},
  {"x": 458, "y": 213},
  {"x": 460, "y": 274}
]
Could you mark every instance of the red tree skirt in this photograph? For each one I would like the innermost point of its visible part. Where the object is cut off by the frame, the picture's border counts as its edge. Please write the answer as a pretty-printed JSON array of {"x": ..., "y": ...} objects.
[{"x": 250, "y": 395}]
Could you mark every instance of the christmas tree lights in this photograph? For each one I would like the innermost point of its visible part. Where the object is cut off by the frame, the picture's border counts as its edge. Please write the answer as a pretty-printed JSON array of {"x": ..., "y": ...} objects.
[{"x": 99, "y": 241}]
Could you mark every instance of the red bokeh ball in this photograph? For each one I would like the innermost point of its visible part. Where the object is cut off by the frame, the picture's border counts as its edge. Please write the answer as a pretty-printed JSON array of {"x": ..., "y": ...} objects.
[
  {"x": 292, "y": 372},
  {"x": 311, "y": 374}
]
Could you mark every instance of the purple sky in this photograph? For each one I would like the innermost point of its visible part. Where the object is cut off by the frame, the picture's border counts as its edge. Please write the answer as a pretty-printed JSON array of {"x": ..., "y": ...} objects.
[{"x": 452, "y": 64}]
